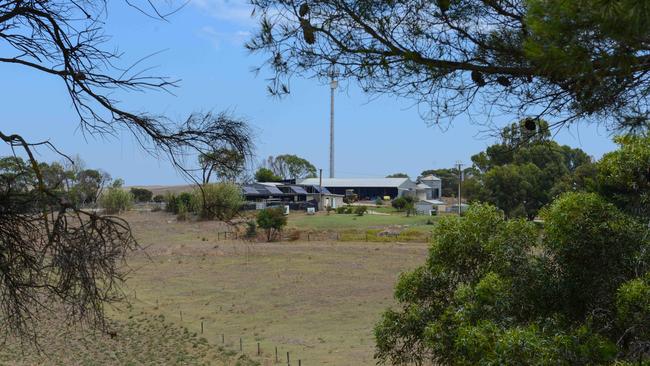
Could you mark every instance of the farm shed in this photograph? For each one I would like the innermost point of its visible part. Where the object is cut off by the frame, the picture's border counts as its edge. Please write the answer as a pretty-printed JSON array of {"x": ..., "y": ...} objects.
[
  {"x": 428, "y": 207},
  {"x": 366, "y": 188}
]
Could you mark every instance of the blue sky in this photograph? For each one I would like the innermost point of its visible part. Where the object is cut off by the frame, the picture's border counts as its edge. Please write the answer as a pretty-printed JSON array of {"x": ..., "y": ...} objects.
[{"x": 203, "y": 46}]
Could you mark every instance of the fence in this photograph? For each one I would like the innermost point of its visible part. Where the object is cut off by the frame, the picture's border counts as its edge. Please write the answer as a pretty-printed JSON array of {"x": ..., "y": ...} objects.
[{"x": 253, "y": 350}]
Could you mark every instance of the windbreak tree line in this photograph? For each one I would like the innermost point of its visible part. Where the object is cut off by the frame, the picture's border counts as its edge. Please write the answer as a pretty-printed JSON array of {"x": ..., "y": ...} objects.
[
  {"x": 526, "y": 170},
  {"x": 571, "y": 290},
  {"x": 521, "y": 173},
  {"x": 78, "y": 184}
]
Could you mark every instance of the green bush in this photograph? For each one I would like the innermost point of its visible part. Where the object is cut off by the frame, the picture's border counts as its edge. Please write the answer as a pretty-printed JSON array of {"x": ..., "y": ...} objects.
[
  {"x": 399, "y": 203},
  {"x": 221, "y": 201},
  {"x": 379, "y": 201},
  {"x": 116, "y": 200},
  {"x": 360, "y": 210},
  {"x": 171, "y": 203},
  {"x": 495, "y": 291},
  {"x": 272, "y": 220},
  {"x": 141, "y": 194},
  {"x": 159, "y": 198},
  {"x": 340, "y": 210}
]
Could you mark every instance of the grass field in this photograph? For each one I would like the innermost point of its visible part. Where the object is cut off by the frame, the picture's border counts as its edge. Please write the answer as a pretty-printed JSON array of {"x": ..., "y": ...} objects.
[
  {"x": 138, "y": 339},
  {"x": 319, "y": 301}
]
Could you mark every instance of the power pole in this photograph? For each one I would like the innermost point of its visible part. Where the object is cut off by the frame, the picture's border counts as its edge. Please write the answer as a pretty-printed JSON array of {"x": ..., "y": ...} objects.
[
  {"x": 460, "y": 181},
  {"x": 333, "y": 86},
  {"x": 320, "y": 189}
]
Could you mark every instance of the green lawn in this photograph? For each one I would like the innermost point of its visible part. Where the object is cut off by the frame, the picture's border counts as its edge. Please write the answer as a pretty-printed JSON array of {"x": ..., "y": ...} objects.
[{"x": 344, "y": 221}]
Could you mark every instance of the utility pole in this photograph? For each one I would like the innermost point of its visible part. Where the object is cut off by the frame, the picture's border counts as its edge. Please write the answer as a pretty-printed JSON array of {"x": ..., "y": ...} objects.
[
  {"x": 460, "y": 181},
  {"x": 333, "y": 86},
  {"x": 320, "y": 189}
]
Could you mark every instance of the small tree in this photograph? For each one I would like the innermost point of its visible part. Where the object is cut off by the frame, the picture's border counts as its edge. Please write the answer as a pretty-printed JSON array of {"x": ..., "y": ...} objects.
[
  {"x": 360, "y": 210},
  {"x": 220, "y": 201},
  {"x": 141, "y": 194},
  {"x": 272, "y": 220},
  {"x": 266, "y": 175},
  {"x": 399, "y": 203},
  {"x": 159, "y": 198}
]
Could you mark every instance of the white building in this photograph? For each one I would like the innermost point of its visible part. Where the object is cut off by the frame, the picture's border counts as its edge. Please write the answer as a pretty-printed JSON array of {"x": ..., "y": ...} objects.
[{"x": 429, "y": 188}]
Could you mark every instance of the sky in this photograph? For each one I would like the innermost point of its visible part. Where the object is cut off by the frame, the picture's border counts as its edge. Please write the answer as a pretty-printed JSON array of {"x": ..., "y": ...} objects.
[{"x": 202, "y": 45}]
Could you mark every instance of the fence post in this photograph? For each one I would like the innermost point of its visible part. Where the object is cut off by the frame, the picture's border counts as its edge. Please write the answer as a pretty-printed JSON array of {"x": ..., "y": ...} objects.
[
  {"x": 288, "y": 362},
  {"x": 241, "y": 346},
  {"x": 181, "y": 312},
  {"x": 258, "y": 348},
  {"x": 201, "y": 326},
  {"x": 276, "y": 354},
  {"x": 223, "y": 338}
]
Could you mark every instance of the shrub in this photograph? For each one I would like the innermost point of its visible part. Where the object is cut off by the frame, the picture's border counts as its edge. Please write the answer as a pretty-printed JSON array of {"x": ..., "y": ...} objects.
[
  {"x": 159, "y": 198},
  {"x": 272, "y": 220},
  {"x": 182, "y": 212},
  {"x": 171, "y": 203},
  {"x": 340, "y": 210},
  {"x": 399, "y": 203},
  {"x": 360, "y": 210},
  {"x": 496, "y": 291},
  {"x": 116, "y": 200},
  {"x": 141, "y": 194},
  {"x": 379, "y": 201},
  {"x": 220, "y": 201}
]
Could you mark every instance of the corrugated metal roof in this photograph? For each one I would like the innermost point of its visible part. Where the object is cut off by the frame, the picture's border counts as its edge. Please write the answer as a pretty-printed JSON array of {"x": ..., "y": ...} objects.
[
  {"x": 422, "y": 186},
  {"x": 430, "y": 177},
  {"x": 249, "y": 190},
  {"x": 358, "y": 182}
]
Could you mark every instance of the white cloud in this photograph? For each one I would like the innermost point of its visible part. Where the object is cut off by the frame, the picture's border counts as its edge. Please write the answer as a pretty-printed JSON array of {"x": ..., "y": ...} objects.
[{"x": 235, "y": 11}]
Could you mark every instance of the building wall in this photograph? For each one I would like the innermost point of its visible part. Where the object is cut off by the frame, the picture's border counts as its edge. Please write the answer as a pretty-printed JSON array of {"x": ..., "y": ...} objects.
[
  {"x": 366, "y": 192},
  {"x": 436, "y": 188}
]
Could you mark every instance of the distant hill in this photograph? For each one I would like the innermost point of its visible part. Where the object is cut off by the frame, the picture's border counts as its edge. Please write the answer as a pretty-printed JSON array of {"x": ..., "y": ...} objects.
[{"x": 166, "y": 189}]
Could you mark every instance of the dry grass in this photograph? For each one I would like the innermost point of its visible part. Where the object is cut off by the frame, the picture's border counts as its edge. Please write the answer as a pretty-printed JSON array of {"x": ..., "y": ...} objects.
[
  {"x": 319, "y": 300},
  {"x": 139, "y": 339}
]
